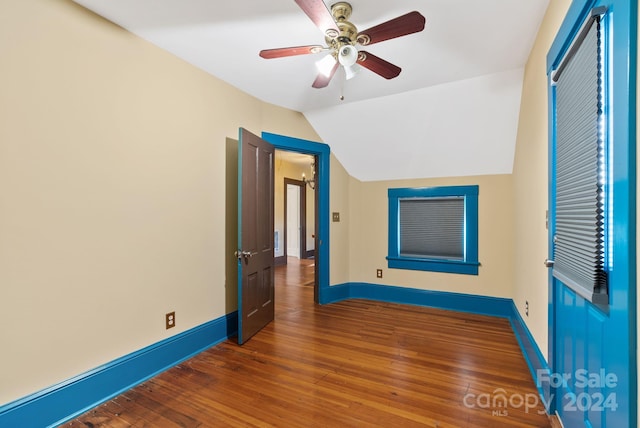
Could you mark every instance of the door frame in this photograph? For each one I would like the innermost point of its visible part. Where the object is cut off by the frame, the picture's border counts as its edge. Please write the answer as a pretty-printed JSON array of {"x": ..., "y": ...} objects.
[
  {"x": 323, "y": 154},
  {"x": 622, "y": 111},
  {"x": 303, "y": 216}
]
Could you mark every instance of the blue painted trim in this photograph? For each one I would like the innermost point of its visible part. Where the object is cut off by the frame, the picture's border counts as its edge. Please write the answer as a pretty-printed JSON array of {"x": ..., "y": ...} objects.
[
  {"x": 632, "y": 155},
  {"x": 433, "y": 265},
  {"x": 532, "y": 354},
  {"x": 470, "y": 265},
  {"x": 433, "y": 192},
  {"x": 322, "y": 153},
  {"x": 483, "y": 305},
  {"x": 67, "y": 400},
  {"x": 571, "y": 24},
  {"x": 551, "y": 324},
  {"x": 336, "y": 293}
]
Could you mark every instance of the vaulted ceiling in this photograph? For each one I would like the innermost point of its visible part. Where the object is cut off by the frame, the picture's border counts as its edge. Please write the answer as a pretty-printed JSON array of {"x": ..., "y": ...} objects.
[{"x": 452, "y": 111}]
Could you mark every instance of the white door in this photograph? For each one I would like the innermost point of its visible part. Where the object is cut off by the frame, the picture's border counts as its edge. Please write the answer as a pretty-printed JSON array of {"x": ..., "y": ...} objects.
[{"x": 293, "y": 221}]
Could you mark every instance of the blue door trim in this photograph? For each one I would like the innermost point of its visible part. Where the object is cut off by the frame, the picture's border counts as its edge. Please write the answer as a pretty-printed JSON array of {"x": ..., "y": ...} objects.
[
  {"x": 621, "y": 316},
  {"x": 323, "y": 153}
]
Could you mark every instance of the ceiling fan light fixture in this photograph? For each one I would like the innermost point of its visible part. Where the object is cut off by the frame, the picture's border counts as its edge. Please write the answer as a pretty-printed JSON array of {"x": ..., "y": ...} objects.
[
  {"x": 348, "y": 55},
  {"x": 326, "y": 64},
  {"x": 351, "y": 70}
]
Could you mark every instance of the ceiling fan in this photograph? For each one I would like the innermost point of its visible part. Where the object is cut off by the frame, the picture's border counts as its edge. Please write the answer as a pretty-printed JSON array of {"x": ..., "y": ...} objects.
[{"x": 342, "y": 37}]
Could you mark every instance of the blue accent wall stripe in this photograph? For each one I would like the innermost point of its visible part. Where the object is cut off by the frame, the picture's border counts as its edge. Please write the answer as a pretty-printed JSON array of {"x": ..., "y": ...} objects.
[{"x": 73, "y": 397}]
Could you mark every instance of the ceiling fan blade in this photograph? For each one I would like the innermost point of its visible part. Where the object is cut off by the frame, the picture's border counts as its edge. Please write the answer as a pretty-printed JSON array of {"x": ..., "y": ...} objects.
[
  {"x": 322, "y": 80},
  {"x": 378, "y": 65},
  {"x": 320, "y": 15},
  {"x": 296, "y": 50},
  {"x": 412, "y": 22}
]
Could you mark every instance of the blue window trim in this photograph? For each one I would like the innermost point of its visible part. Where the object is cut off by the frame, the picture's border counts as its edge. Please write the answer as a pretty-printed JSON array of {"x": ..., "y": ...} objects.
[{"x": 469, "y": 266}]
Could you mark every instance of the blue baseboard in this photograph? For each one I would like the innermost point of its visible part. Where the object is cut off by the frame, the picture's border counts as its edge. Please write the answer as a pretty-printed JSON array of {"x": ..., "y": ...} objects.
[
  {"x": 65, "y": 401},
  {"x": 335, "y": 293},
  {"x": 532, "y": 354},
  {"x": 483, "y": 305}
]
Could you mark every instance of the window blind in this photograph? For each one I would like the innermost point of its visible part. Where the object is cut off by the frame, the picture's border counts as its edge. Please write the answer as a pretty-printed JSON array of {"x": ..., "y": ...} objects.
[
  {"x": 432, "y": 228},
  {"x": 579, "y": 242}
]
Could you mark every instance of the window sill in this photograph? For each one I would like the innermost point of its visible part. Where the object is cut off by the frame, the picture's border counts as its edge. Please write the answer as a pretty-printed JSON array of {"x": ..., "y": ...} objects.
[{"x": 433, "y": 265}]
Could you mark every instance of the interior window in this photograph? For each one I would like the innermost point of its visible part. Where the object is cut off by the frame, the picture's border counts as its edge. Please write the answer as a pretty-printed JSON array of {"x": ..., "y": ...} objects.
[{"x": 434, "y": 229}]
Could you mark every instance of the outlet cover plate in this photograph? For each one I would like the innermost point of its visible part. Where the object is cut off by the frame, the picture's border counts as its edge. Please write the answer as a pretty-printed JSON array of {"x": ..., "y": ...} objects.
[{"x": 170, "y": 320}]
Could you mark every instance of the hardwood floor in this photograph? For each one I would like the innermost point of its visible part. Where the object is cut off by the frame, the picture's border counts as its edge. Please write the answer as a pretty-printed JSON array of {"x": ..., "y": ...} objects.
[{"x": 354, "y": 363}]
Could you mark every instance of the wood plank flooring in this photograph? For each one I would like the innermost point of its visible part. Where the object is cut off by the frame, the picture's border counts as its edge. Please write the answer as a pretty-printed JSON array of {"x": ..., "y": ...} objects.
[{"x": 354, "y": 363}]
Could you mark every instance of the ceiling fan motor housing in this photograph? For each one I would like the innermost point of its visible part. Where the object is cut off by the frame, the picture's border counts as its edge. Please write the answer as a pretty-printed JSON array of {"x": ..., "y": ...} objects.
[{"x": 341, "y": 12}]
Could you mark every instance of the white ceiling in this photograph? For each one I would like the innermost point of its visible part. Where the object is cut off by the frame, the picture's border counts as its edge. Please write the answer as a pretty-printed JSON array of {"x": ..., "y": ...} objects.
[{"x": 452, "y": 111}]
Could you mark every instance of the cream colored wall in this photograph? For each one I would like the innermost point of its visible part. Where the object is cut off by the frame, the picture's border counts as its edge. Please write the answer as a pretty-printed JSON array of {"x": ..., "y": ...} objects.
[
  {"x": 112, "y": 190},
  {"x": 368, "y": 222},
  {"x": 340, "y": 200},
  {"x": 530, "y": 178}
]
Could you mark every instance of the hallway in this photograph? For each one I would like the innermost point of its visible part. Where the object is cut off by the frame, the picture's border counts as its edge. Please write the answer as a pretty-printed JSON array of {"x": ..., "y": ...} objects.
[{"x": 294, "y": 285}]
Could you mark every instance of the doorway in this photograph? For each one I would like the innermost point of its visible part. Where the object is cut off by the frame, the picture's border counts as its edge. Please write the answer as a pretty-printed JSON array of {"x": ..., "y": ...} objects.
[
  {"x": 295, "y": 217},
  {"x": 321, "y": 154},
  {"x": 296, "y": 233}
]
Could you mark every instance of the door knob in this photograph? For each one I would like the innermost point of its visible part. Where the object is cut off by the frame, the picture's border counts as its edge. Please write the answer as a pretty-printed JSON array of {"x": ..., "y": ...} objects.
[
  {"x": 548, "y": 263},
  {"x": 246, "y": 254}
]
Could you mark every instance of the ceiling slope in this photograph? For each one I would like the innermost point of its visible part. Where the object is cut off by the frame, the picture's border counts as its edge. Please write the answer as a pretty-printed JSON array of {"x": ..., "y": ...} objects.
[
  {"x": 460, "y": 60},
  {"x": 461, "y": 128}
]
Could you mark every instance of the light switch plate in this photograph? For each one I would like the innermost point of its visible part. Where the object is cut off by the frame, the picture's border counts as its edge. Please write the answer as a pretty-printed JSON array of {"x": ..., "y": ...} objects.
[{"x": 336, "y": 217}]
